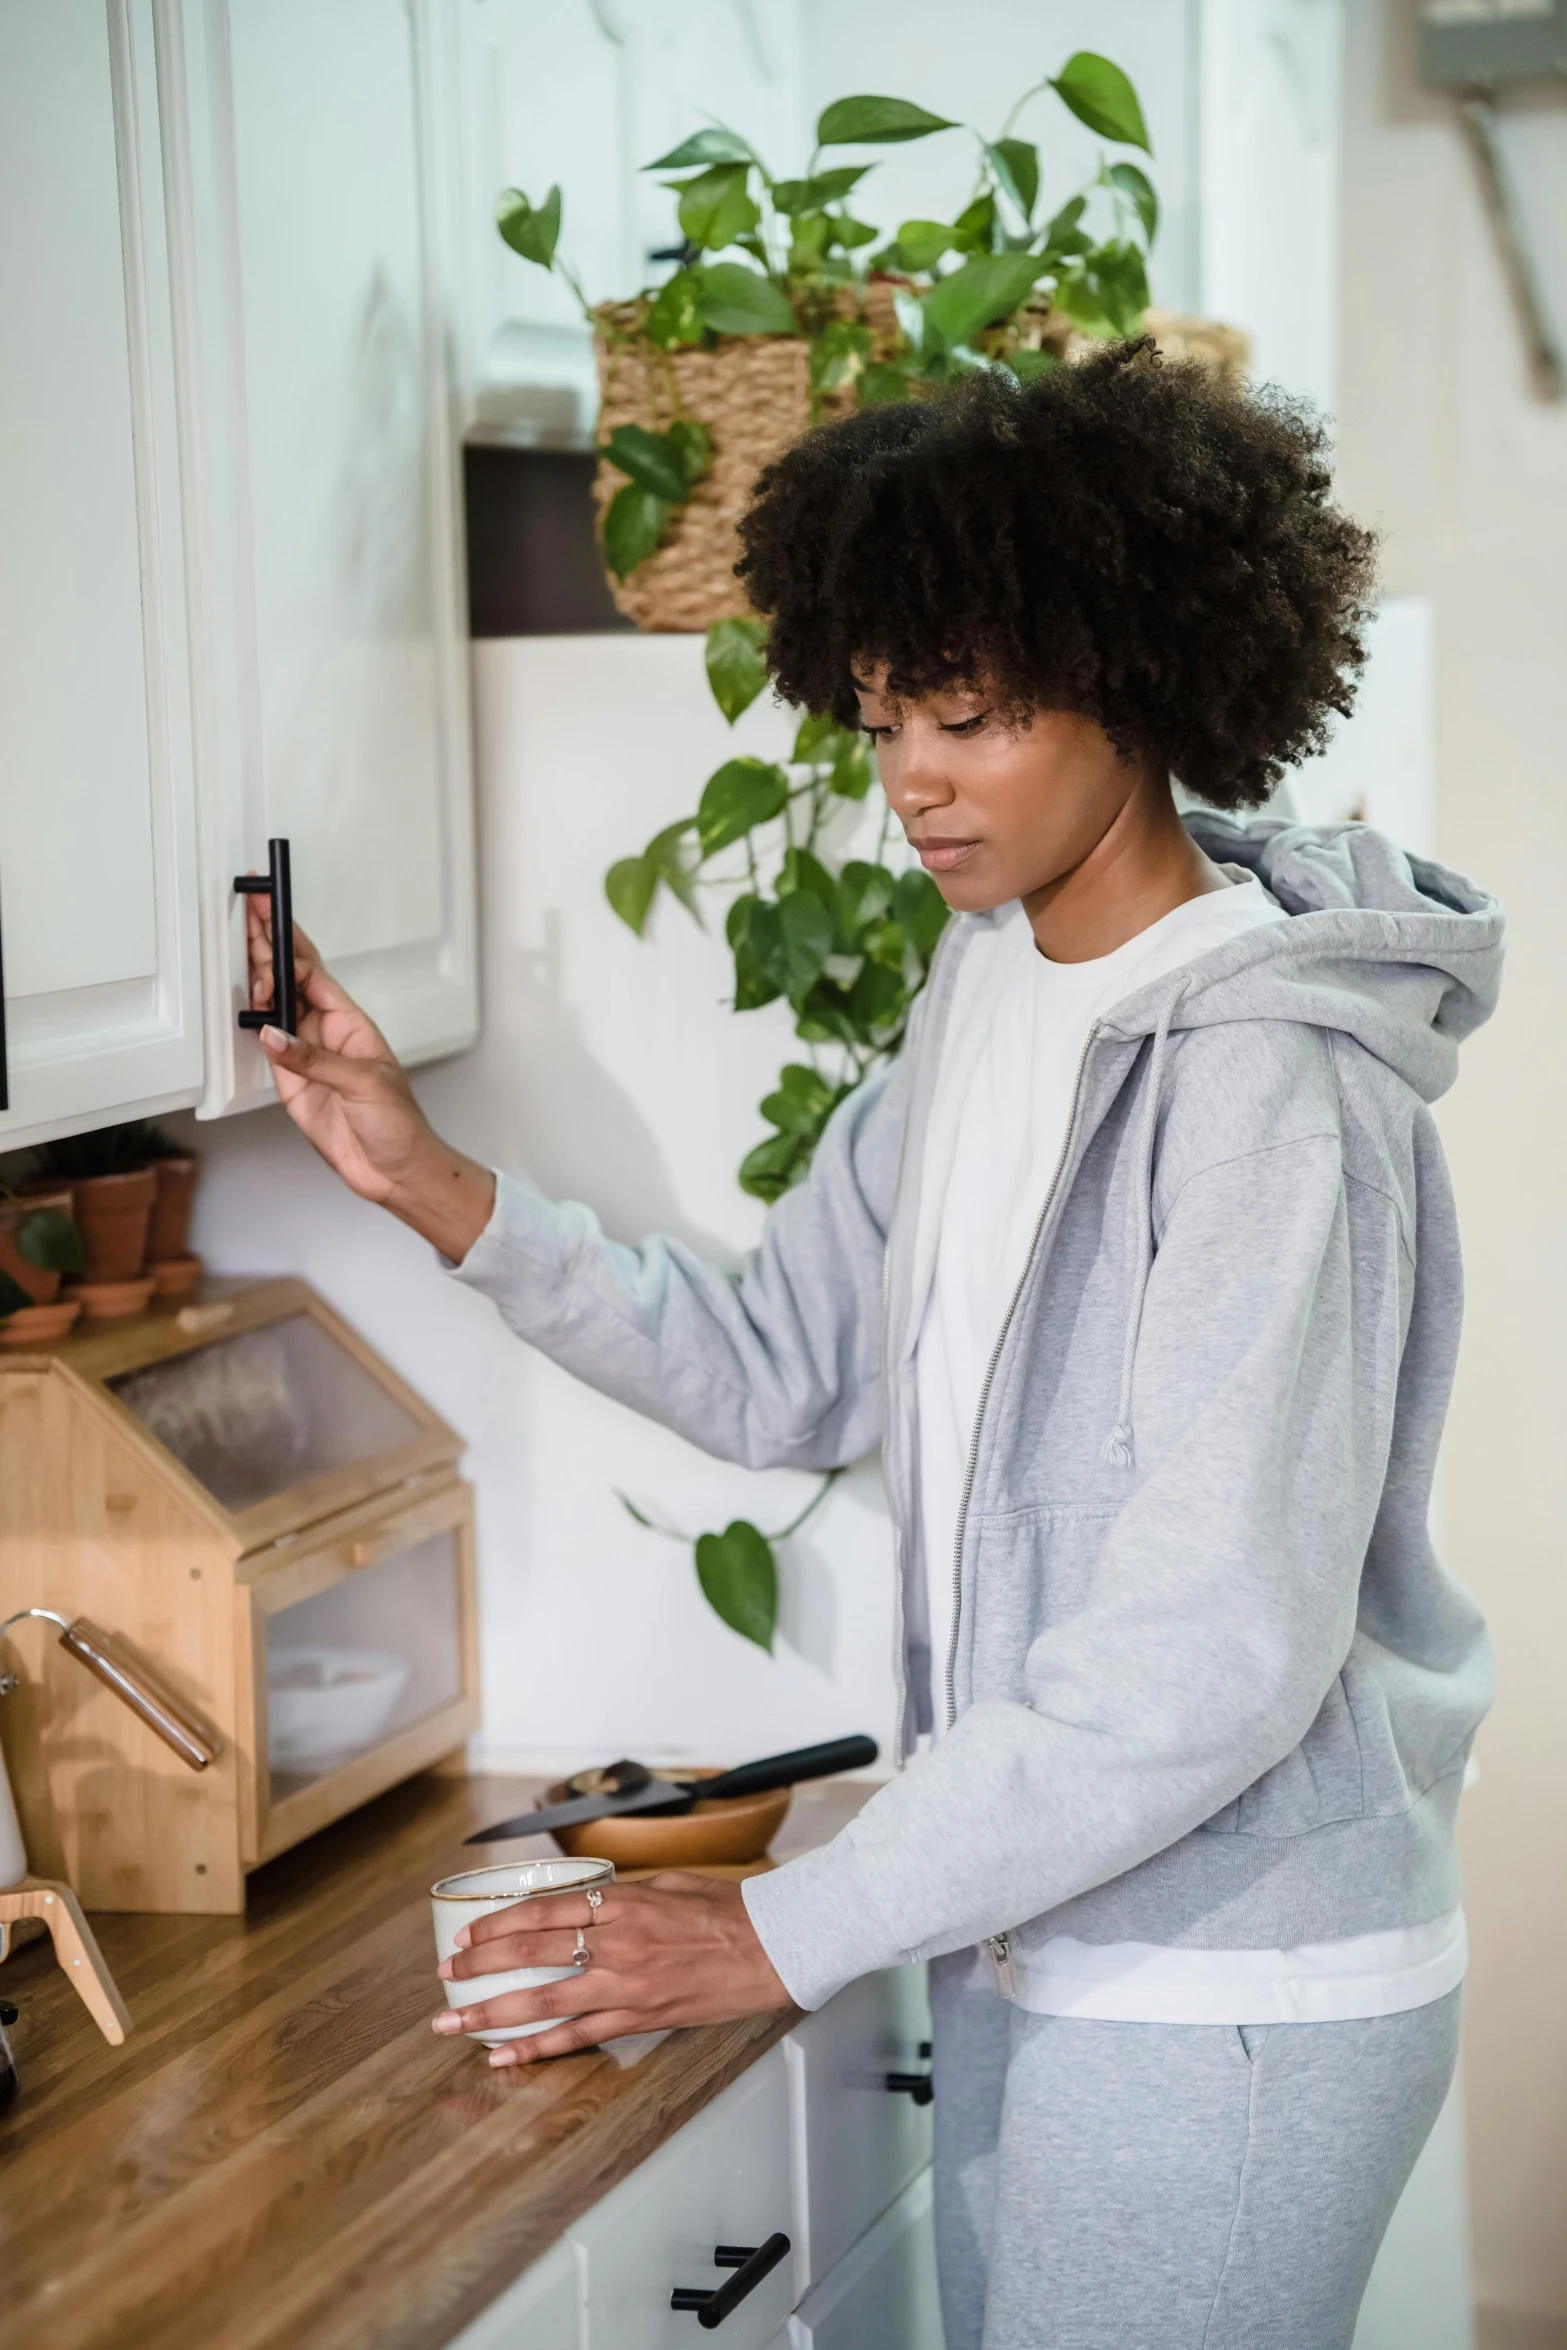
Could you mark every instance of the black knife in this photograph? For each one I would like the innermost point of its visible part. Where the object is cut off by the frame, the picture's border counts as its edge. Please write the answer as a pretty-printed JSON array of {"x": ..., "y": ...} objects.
[{"x": 671, "y": 1796}]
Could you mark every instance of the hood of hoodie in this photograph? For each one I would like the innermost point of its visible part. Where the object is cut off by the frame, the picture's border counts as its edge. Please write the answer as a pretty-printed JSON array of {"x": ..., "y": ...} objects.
[{"x": 1398, "y": 952}]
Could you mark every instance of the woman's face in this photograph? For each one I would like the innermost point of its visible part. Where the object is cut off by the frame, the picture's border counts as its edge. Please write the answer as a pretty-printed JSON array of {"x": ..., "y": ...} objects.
[{"x": 995, "y": 809}]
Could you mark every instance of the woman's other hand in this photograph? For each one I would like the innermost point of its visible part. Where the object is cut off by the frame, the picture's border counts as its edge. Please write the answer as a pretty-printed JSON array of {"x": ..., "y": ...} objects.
[
  {"x": 679, "y": 1949},
  {"x": 349, "y": 1095}
]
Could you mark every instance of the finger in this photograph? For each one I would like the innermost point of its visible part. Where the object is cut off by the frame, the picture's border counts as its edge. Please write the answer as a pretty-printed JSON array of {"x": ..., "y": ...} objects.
[
  {"x": 499, "y": 1954},
  {"x": 544, "y": 2003},
  {"x": 571, "y": 2038},
  {"x": 541, "y": 1912},
  {"x": 341, "y": 1072}
]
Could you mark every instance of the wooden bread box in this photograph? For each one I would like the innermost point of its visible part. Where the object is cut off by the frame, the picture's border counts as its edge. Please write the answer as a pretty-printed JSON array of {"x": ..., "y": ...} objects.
[{"x": 271, "y": 1523}]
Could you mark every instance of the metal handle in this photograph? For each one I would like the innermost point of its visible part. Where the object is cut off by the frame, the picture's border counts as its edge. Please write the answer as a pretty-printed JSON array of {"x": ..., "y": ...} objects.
[
  {"x": 279, "y": 887},
  {"x": 787, "y": 1770},
  {"x": 750, "y": 2263},
  {"x": 136, "y": 1688},
  {"x": 919, "y": 2086}
]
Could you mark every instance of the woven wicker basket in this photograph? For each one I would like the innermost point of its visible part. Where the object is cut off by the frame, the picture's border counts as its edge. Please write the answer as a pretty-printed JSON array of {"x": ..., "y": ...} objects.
[{"x": 752, "y": 393}]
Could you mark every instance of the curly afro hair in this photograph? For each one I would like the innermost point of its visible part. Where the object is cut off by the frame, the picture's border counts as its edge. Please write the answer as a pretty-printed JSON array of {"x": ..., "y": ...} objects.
[{"x": 1127, "y": 538}]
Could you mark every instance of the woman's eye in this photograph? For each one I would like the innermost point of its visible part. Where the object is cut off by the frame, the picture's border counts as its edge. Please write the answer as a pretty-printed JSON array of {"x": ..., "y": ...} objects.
[
  {"x": 967, "y": 725},
  {"x": 877, "y": 734}
]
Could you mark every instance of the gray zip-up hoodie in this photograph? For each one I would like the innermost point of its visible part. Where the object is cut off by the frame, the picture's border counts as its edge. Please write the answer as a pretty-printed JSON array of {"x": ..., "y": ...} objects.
[{"x": 1209, "y": 1684}]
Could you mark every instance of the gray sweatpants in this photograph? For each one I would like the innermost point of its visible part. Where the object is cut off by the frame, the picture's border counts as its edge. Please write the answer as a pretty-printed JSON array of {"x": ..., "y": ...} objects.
[{"x": 1169, "y": 2186}]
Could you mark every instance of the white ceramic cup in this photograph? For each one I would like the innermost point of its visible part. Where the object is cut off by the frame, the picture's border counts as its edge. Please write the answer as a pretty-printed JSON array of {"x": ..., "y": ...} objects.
[{"x": 477, "y": 1893}]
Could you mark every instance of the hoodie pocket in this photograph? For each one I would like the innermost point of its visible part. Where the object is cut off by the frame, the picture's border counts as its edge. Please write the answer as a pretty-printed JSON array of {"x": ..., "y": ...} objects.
[
  {"x": 1320, "y": 1782},
  {"x": 1034, "y": 1568}
]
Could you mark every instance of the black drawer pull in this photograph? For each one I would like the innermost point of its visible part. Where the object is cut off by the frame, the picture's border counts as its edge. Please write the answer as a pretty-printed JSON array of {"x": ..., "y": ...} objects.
[
  {"x": 750, "y": 2263},
  {"x": 919, "y": 2086},
  {"x": 278, "y": 886}
]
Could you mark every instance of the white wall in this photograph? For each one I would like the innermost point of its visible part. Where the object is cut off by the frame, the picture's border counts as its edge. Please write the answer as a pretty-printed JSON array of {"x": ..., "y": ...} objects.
[{"x": 1444, "y": 449}]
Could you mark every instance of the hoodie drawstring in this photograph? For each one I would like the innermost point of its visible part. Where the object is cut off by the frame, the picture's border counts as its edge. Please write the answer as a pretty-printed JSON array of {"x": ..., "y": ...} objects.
[{"x": 1117, "y": 1449}]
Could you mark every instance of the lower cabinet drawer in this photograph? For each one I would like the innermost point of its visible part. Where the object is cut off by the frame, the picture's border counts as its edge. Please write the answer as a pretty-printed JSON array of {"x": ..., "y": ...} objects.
[
  {"x": 723, "y": 2180},
  {"x": 882, "y": 2296},
  {"x": 857, "y": 2139}
]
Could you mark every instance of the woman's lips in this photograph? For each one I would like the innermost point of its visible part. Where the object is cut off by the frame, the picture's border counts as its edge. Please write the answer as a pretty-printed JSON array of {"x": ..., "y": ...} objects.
[{"x": 943, "y": 856}]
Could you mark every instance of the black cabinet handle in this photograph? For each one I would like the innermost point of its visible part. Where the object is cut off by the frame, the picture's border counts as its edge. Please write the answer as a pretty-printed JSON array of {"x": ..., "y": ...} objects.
[
  {"x": 278, "y": 886},
  {"x": 919, "y": 2086},
  {"x": 750, "y": 2263}
]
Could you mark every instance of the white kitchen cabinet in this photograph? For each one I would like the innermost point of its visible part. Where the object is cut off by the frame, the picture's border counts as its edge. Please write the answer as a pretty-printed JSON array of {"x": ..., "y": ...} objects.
[
  {"x": 322, "y": 460},
  {"x": 98, "y": 867},
  {"x": 858, "y": 2139},
  {"x": 541, "y": 2311},
  {"x": 723, "y": 2180},
  {"x": 882, "y": 2295},
  {"x": 231, "y": 604}
]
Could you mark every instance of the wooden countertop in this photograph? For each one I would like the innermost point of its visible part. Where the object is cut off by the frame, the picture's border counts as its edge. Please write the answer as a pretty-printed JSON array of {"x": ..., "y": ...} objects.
[{"x": 283, "y": 2155}]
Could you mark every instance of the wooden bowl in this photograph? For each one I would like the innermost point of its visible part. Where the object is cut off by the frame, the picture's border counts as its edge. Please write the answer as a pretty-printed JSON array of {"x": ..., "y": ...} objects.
[{"x": 738, "y": 1828}]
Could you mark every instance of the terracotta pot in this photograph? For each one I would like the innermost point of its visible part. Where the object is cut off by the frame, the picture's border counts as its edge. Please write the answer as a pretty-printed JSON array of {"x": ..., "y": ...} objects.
[
  {"x": 39, "y": 1325},
  {"x": 43, "y": 1288},
  {"x": 737, "y": 1828},
  {"x": 113, "y": 1213},
  {"x": 175, "y": 1276},
  {"x": 169, "y": 1233},
  {"x": 113, "y": 1301}
]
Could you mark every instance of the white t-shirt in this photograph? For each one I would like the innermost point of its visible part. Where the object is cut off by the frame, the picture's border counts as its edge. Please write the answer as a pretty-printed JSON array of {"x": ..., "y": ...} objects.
[{"x": 1015, "y": 1041}]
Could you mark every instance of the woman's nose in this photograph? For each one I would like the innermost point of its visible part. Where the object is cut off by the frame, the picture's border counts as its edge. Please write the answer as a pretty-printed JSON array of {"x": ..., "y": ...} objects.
[{"x": 913, "y": 779}]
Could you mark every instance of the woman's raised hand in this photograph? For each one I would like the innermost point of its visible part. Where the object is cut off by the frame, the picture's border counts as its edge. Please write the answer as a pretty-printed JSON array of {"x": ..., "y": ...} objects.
[{"x": 349, "y": 1095}]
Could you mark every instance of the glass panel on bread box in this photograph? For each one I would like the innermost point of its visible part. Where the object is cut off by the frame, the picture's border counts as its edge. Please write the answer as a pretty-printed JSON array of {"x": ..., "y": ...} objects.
[
  {"x": 253, "y": 1415},
  {"x": 353, "y": 1665}
]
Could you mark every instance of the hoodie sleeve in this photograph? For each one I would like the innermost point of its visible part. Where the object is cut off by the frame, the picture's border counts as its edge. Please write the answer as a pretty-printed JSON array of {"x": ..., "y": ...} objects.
[
  {"x": 776, "y": 1366},
  {"x": 1218, "y": 1605}
]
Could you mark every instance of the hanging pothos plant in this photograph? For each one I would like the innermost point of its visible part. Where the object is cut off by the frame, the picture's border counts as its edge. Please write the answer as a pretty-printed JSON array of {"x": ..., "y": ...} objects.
[
  {"x": 886, "y": 317},
  {"x": 845, "y": 941}
]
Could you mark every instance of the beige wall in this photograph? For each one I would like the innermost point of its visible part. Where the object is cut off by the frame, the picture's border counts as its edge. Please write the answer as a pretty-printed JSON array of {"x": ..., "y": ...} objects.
[{"x": 1443, "y": 448}]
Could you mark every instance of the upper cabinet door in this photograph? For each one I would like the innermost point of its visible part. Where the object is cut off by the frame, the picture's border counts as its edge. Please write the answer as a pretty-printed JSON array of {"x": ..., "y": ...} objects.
[
  {"x": 333, "y": 673},
  {"x": 98, "y": 872}
]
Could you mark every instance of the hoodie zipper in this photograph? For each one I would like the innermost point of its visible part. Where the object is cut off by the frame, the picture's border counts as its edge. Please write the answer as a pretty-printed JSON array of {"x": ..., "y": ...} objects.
[
  {"x": 990, "y": 1373},
  {"x": 1000, "y": 1945}
]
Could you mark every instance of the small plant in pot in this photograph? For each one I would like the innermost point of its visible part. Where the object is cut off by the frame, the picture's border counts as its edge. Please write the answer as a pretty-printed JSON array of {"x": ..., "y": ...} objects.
[
  {"x": 39, "y": 1245},
  {"x": 130, "y": 1190}
]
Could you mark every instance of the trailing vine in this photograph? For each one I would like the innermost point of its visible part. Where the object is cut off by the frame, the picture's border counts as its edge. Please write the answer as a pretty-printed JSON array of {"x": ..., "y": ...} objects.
[{"x": 844, "y": 940}]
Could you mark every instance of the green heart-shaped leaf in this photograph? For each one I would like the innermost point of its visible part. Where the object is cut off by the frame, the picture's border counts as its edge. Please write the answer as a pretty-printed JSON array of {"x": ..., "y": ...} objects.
[
  {"x": 629, "y": 885},
  {"x": 987, "y": 288},
  {"x": 49, "y": 1239},
  {"x": 1099, "y": 94},
  {"x": 881, "y": 385},
  {"x": 716, "y": 206},
  {"x": 823, "y": 187},
  {"x": 864, "y": 895},
  {"x": 648, "y": 460},
  {"x": 742, "y": 793},
  {"x": 921, "y": 909},
  {"x": 691, "y": 449},
  {"x": 1136, "y": 186},
  {"x": 1016, "y": 166},
  {"x": 876, "y": 122},
  {"x": 734, "y": 300},
  {"x": 921, "y": 243},
  {"x": 714, "y": 145},
  {"x": 736, "y": 663},
  {"x": 531, "y": 230},
  {"x": 676, "y": 315},
  {"x": 634, "y": 522},
  {"x": 769, "y": 1170},
  {"x": 739, "y": 1578}
]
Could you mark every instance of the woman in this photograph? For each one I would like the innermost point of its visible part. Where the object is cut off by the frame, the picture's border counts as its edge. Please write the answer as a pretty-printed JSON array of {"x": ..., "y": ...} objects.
[{"x": 1141, "y": 1264}]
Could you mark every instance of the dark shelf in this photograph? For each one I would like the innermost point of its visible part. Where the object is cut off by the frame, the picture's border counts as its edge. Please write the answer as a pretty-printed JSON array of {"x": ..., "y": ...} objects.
[{"x": 533, "y": 560}]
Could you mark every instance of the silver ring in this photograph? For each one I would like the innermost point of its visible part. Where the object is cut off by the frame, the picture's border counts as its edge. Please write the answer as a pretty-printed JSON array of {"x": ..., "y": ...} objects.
[
  {"x": 582, "y": 1956},
  {"x": 595, "y": 1902}
]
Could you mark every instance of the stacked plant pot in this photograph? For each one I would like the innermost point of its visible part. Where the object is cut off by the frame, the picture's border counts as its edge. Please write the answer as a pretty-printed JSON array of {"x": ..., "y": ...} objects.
[{"x": 132, "y": 1219}]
